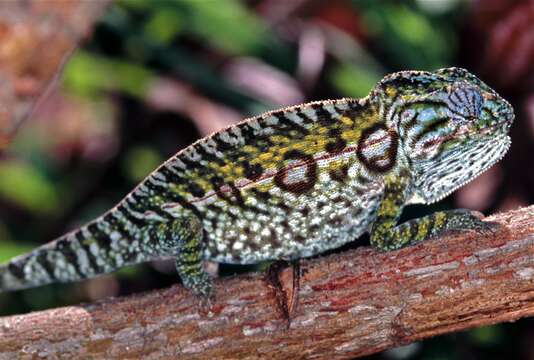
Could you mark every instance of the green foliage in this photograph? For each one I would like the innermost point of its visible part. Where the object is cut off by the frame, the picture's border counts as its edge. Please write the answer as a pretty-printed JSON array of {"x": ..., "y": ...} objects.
[
  {"x": 26, "y": 186},
  {"x": 88, "y": 74},
  {"x": 140, "y": 161},
  {"x": 409, "y": 37},
  {"x": 353, "y": 80}
]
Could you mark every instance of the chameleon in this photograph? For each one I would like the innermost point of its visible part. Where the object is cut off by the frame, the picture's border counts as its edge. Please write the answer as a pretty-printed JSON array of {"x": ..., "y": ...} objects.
[{"x": 296, "y": 182}]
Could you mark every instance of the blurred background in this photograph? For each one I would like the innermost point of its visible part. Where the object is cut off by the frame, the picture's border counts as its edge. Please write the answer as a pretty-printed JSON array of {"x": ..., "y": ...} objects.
[{"x": 155, "y": 76}]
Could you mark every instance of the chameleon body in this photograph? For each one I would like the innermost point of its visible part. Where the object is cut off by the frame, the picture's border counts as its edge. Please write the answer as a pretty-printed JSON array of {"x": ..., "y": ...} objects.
[{"x": 296, "y": 182}]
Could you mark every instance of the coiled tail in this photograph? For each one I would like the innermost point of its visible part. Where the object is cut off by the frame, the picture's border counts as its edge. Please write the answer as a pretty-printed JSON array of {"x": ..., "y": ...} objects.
[{"x": 100, "y": 247}]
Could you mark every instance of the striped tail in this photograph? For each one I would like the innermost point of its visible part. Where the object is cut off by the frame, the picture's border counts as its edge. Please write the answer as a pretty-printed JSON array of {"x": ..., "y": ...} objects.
[{"x": 100, "y": 247}]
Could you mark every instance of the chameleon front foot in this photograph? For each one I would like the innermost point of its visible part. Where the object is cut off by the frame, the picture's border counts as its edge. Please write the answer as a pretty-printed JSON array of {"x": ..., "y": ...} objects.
[
  {"x": 387, "y": 235},
  {"x": 470, "y": 220}
]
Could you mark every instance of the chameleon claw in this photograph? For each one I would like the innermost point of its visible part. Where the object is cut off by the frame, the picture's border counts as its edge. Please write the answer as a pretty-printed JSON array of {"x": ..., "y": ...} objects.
[
  {"x": 487, "y": 228},
  {"x": 206, "y": 303}
]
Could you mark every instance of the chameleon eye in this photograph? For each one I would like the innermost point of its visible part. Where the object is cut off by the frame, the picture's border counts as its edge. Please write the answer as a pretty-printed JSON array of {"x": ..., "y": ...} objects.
[{"x": 466, "y": 101}]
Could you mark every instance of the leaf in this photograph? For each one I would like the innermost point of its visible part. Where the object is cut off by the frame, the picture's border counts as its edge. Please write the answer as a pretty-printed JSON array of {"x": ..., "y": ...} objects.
[{"x": 27, "y": 187}]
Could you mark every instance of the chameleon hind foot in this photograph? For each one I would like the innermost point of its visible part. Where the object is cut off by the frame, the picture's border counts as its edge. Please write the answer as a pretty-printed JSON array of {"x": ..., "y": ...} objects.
[{"x": 286, "y": 300}]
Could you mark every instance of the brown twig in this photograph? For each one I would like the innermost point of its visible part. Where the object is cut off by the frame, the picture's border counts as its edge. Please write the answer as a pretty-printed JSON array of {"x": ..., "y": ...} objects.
[
  {"x": 36, "y": 37},
  {"x": 353, "y": 303}
]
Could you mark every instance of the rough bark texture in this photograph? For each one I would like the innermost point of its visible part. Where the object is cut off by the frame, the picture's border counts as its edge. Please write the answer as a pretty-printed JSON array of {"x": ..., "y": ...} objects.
[
  {"x": 36, "y": 37},
  {"x": 351, "y": 304}
]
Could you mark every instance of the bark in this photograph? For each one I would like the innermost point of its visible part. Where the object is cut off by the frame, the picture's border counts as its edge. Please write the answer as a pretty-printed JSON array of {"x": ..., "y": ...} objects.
[
  {"x": 36, "y": 37},
  {"x": 351, "y": 304}
]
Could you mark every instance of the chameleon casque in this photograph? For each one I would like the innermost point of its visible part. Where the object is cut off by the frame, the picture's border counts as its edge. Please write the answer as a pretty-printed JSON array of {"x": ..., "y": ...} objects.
[{"x": 296, "y": 182}]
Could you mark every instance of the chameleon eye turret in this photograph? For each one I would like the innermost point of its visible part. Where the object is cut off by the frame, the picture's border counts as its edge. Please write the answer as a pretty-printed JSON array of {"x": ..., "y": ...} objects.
[{"x": 296, "y": 182}]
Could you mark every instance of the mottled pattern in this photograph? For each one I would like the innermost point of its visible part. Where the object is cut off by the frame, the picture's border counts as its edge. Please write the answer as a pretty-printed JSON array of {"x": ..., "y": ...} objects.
[{"x": 295, "y": 182}]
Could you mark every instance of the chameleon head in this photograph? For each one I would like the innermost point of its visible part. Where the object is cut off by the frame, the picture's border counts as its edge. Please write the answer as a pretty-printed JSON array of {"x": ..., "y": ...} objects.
[{"x": 452, "y": 127}]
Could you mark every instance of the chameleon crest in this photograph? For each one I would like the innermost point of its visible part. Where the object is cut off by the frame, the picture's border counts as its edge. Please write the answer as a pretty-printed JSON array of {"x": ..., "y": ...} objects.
[{"x": 295, "y": 182}]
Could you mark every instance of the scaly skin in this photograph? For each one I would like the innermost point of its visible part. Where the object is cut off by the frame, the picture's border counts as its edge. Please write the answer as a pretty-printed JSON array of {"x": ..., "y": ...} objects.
[{"x": 295, "y": 182}]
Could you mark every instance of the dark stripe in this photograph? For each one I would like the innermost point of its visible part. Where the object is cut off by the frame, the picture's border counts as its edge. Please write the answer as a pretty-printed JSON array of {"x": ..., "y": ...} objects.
[
  {"x": 253, "y": 172},
  {"x": 118, "y": 225},
  {"x": 323, "y": 116},
  {"x": 63, "y": 246},
  {"x": 288, "y": 123},
  {"x": 170, "y": 175},
  {"x": 16, "y": 269},
  {"x": 43, "y": 261},
  {"x": 209, "y": 157},
  {"x": 163, "y": 191},
  {"x": 455, "y": 99},
  {"x": 247, "y": 131},
  {"x": 221, "y": 144},
  {"x": 195, "y": 189},
  {"x": 128, "y": 216},
  {"x": 306, "y": 118},
  {"x": 190, "y": 164},
  {"x": 177, "y": 198},
  {"x": 136, "y": 200},
  {"x": 233, "y": 197},
  {"x": 155, "y": 186},
  {"x": 102, "y": 239},
  {"x": 337, "y": 146},
  {"x": 84, "y": 245},
  {"x": 340, "y": 174}
]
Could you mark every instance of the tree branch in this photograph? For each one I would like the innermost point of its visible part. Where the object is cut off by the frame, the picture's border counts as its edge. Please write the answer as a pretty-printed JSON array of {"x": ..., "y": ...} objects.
[{"x": 351, "y": 304}]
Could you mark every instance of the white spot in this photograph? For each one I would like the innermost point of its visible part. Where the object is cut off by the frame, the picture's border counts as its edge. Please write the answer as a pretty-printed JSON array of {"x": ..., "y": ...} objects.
[
  {"x": 271, "y": 120},
  {"x": 159, "y": 176},
  {"x": 310, "y": 112},
  {"x": 93, "y": 248},
  {"x": 221, "y": 247},
  {"x": 295, "y": 118},
  {"x": 224, "y": 136},
  {"x": 238, "y": 245}
]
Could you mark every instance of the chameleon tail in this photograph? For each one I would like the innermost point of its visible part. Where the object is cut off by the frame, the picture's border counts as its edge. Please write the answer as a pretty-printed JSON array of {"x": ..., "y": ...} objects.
[{"x": 94, "y": 249}]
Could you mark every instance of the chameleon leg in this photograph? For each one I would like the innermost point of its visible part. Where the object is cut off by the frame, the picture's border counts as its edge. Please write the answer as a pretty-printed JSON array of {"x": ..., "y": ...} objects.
[
  {"x": 182, "y": 238},
  {"x": 386, "y": 235}
]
